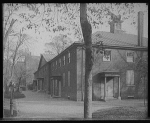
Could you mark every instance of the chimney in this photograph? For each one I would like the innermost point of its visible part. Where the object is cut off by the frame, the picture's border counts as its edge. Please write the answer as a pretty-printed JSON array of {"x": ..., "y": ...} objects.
[
  {"x": 115, "y": 24},
  {"x": 140, "y": 28}
]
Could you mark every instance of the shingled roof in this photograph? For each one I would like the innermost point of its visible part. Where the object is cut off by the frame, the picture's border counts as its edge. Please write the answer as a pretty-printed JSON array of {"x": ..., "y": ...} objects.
[{"x": 120, "y": 39}]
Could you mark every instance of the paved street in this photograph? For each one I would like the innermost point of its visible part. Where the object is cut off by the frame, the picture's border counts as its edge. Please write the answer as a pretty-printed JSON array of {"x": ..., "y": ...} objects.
[{"x": 40, "y": 105}]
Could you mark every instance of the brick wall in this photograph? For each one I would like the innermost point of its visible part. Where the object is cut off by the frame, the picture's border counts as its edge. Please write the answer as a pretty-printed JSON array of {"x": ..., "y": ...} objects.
[
  {"x": 117, "y": 63},
  {"x": 66, "y": 90}
]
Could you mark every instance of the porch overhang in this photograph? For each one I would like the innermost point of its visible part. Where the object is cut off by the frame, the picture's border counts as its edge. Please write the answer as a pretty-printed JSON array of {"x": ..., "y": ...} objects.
[
  {"x": 109, "y": 73},
  {"x": 54, "y": 77},
  {"x": 39, "y": 78}
]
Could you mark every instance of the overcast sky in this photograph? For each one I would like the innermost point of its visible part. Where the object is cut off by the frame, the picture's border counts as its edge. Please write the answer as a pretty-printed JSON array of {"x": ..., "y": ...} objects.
[{"x": 38, "y": 47}]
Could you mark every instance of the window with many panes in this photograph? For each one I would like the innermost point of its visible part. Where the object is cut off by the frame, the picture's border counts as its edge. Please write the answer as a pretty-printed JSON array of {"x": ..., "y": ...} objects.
[
  {"x": 68, "y": 78},
  {"x": 107, "y": 55},
  {"x": 130, "y": 56},
  {"x": 53, "y": 66},
  {"x": 68, "y": 57},
  {"x": 56, "y": 63},
  {"x": 59, "y": 62},
  {"x": 130, "y": 77},
  {"x": 63, "y": 79},
  {"x": 63, "y": 60}
]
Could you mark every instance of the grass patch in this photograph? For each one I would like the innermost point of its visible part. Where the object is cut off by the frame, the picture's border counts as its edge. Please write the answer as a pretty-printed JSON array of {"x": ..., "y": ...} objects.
[
  {"x": 121, "y": 113},
  {"x": 16, "y": 95},
  {"x": 7, "y": 113}
]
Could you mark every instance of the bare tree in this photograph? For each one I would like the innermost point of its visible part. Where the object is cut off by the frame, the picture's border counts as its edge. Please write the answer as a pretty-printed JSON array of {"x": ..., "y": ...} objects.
[
  {"x": 14, "y": 55},
  {"x": 58, "y": 44},
  {"x": 12, "y": 17},
  {"x": 21, "y": 73}
]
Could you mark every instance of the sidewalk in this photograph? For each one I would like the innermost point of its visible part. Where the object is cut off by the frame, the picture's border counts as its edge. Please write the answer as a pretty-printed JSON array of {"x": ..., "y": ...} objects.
[{"x": 41, "y": 105}]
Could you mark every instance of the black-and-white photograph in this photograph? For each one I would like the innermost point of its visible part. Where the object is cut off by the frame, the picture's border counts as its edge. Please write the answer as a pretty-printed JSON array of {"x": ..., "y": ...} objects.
[{"x": 75, "y": 61}]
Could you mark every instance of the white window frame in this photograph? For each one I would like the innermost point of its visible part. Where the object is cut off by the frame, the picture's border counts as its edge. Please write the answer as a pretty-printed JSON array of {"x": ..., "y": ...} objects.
[
  {"x": 68, "y": 78},
  {"x": 63, "y": 79},
  {"x": 53, "y": 66},
  {"x": 60, "y": 62},
  {"x": 63, "y": 60},
  {"x": 56, "y": 64},
  {"x": 129, "y": 78},
  {"x": 105, "y": 57},
  {"x": 68, "y": 57},
  {"x": 130, "y": 58}
]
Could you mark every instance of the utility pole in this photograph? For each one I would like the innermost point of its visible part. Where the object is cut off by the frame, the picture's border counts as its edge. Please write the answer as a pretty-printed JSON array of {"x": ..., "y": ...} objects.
[{"x": 87, "y": 32}]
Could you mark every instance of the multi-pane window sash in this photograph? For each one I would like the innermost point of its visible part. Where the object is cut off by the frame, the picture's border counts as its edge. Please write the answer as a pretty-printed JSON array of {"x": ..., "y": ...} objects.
[
  {"x": 68, "y": 57},
  {"x": 130, "y": 77},
  {"x": 63, "y": 79},
  {"x": 53, "y": 66},
  {"x": 56, "y": 63},
  {"x": 68, "y": 78},
  {"x": 64, "y": 60},
  {"x": 59, "y": 62},
  {"x": 130, "y": 56},
  {"x": 107, "y": 55}
]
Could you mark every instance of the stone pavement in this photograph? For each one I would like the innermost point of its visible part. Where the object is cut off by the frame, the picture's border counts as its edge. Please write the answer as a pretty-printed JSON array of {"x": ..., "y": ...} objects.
[{"x": 40, "y": 105}]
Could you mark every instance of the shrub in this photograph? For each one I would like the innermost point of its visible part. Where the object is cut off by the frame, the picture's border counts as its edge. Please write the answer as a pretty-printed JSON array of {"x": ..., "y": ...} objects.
[
  {"x": 16, "y": 95},
  {"x": 30, "y": 86},
  {"x": 23, "y": 88}
]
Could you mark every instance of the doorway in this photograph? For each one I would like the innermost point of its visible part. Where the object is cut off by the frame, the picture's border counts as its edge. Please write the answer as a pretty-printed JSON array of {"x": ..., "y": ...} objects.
[
  {"x": 56, "y": 87},
  {"x": 109, "y": 87}
]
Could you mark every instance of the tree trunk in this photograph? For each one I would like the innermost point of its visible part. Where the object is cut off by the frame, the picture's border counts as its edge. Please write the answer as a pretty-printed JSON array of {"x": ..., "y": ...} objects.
[
  {"x": 19, "y": 85},
  {"x": 87, "y": 32}
]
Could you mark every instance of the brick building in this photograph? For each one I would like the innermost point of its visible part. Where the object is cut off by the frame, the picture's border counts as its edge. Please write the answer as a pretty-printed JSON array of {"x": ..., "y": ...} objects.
[
  {"x": 41, "y": 76},
  {"x": 114, "y": 70}
]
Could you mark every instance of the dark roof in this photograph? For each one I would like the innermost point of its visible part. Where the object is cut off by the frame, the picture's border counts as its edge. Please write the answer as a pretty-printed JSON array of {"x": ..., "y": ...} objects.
[
  {"x": 109, "y": 73},
  {"x": 110, "y": 39},
  {"x": 120, "y": 39},
  {"x": 48, "y": 57}
]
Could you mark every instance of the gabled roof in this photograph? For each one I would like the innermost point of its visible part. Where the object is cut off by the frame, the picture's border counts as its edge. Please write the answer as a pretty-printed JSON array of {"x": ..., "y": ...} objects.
[
  {"x": 120, "y": 39},
  {"x": 114, "y": 39},
  {"x": 44, "y": 59},
  {"x": 48, "y": 57}
]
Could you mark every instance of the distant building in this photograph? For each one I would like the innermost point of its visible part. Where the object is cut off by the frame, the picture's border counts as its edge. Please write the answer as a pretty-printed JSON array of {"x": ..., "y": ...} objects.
[
  {"x": 114, "y": 74},
  {"x": 41, "y": 76},
  {"x": 25, "y": 67},
  {"x": 32, "y": 63}
]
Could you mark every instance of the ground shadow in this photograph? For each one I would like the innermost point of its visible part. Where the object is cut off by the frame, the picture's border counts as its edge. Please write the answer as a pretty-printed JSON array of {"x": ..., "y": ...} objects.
[
  {"x": 16, "y": 95},
  {"x": 7, "y": 113}
]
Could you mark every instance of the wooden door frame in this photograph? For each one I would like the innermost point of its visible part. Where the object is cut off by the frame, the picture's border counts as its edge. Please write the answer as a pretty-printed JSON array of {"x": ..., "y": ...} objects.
[{"x": 58, "y": 86}]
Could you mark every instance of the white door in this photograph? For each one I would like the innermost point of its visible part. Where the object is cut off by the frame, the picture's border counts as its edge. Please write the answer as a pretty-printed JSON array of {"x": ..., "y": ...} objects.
[{"x": 109, "y": 88}]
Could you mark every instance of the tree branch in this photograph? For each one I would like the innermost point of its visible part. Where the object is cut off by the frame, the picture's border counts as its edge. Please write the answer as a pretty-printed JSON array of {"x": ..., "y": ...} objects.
[{"x": 7, "y": 33}]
